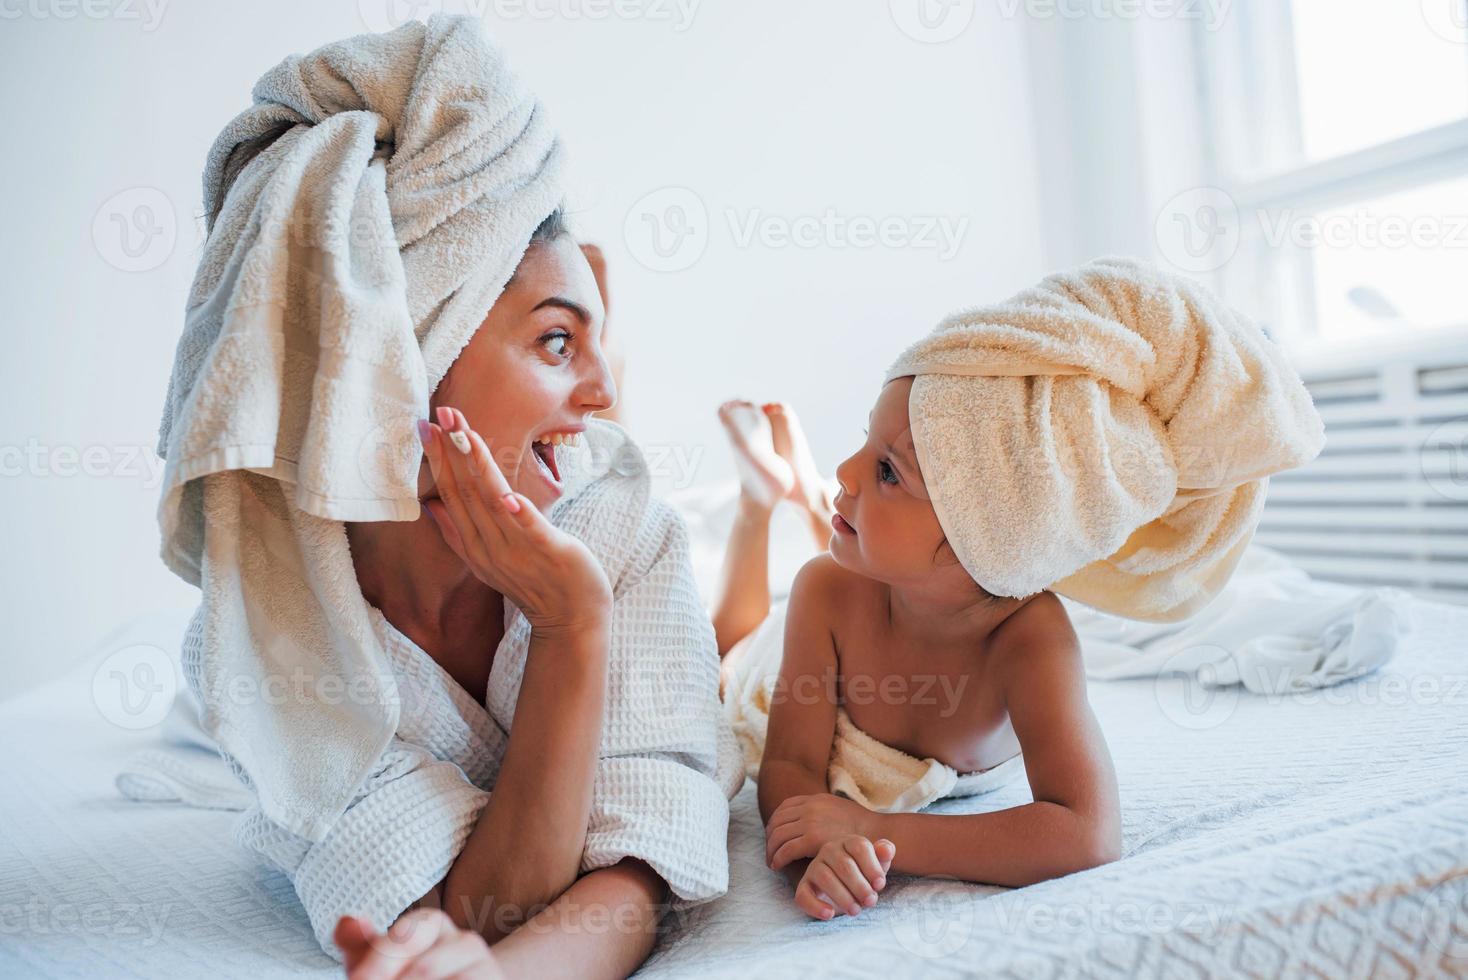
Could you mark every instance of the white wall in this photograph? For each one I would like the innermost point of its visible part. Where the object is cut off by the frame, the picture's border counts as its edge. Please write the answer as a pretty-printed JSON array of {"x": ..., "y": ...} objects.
[{"x": 759, "y": 107}]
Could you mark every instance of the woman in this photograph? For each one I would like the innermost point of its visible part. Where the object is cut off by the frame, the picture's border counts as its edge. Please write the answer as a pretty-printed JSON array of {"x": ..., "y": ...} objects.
[{"x": 530, "y": 727}]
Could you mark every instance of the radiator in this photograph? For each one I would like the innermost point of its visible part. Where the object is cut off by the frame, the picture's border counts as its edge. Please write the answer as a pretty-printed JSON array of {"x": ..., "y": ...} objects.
[{"x": 1386, "y": 502}]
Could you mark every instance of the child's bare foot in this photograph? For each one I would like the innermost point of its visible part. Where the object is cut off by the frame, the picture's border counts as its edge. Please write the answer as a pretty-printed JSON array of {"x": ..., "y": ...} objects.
[
  {"x": 809, "y": 490},
  {"x": 765, "y": 478}
]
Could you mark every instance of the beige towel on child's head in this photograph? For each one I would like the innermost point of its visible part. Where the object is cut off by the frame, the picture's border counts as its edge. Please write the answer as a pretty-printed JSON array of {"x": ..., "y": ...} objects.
[{"x": 1107, "y": 434}]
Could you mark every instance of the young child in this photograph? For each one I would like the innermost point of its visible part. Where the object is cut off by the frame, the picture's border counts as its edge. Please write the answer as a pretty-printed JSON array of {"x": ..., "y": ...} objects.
[{"x": 1105, "y": 435}]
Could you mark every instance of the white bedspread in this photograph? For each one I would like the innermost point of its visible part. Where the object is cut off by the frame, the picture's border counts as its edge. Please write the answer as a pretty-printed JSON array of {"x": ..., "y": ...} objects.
[{"x": 1321, "y": 834}]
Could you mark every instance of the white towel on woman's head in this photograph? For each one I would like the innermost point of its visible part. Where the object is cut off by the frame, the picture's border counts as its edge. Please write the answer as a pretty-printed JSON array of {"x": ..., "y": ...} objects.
[
  {"x": 350, "y": 261},
  {"x": 1107, "y": 434}
]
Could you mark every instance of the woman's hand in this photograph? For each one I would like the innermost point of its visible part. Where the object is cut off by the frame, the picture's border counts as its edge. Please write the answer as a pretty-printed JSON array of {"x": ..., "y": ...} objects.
[
  {"x": 802, "y": 825},
  {"x": 422, "y": 945},
  {"x": 844, "y": 877},
  {"x": 504, "y": 539}
]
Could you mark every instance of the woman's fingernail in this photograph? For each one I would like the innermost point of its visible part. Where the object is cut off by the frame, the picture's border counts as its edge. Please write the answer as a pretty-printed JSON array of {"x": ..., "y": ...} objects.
[
  {"x": 445, "y": 417},
  {"x": 512, "y": 503},
  {"x": 425, "y": 432},
  {"x": 460, "y": 441}
]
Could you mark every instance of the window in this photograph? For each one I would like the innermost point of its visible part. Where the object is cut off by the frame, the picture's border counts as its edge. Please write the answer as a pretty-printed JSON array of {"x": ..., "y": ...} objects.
[{"x": 1337, "y": 139}]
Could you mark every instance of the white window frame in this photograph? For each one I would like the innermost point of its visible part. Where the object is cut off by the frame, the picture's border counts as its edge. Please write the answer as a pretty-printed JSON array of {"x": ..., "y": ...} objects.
[{"x": 1277, "y": 282}]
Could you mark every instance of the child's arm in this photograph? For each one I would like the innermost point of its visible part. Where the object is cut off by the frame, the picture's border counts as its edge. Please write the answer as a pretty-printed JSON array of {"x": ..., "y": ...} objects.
[
  {"x": 1075, "y": 821},
  {"x": 803, "y": 708},
  {"x": 803, "y": 719}
]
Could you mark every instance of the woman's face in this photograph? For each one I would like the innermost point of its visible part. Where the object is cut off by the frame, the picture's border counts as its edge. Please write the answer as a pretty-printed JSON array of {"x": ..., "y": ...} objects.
[
  {"x": 886, "y": 528},
  {"x": 533, "y": 370}
]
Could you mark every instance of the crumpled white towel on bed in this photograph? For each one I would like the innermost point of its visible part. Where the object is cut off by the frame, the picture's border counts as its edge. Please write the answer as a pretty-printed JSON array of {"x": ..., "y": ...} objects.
[{"x": 1273, "y": 630}]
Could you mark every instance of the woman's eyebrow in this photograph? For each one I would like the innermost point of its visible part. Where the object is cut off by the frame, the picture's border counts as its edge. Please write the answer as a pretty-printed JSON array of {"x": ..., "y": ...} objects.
[{"x": 560, "y": 302}]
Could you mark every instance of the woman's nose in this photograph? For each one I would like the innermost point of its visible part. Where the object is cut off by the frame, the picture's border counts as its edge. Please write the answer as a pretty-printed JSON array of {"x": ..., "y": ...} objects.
[{"x": 597, "y": 390}]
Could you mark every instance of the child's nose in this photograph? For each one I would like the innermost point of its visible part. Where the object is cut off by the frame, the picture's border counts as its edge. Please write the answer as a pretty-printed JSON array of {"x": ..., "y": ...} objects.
[{"x": 846, "y": 476}]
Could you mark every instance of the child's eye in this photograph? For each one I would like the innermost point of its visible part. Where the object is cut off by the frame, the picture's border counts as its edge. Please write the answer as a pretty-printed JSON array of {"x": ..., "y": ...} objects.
[
  {"x": 885, "y": 472},
  {"x": 556, "y": 342}
]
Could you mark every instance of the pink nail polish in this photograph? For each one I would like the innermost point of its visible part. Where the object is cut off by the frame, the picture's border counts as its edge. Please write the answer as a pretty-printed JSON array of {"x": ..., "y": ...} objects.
[
  {"x": 512, "y": 503},
  {"x": 425, "y": 431},
  {"x": 445, "y": 418}
]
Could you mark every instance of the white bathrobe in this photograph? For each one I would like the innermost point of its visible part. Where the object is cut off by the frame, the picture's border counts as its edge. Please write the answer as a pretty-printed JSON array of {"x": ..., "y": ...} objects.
[{"x": 668, "y": 763}]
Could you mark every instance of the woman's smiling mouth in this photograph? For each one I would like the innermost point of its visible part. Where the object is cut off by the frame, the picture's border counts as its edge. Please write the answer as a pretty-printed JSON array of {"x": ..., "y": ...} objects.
[{"x": 543, "y": 448}]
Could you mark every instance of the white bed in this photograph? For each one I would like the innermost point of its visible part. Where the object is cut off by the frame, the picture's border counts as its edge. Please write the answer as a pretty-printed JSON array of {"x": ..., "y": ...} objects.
[{"x": 1316, "y": 835}]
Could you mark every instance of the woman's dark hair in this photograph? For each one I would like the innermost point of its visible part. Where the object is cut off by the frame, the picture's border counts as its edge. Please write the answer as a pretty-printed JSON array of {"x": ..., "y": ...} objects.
[
  {"x": 238, "y": 159},
  {"x": 553, "y": 227}
]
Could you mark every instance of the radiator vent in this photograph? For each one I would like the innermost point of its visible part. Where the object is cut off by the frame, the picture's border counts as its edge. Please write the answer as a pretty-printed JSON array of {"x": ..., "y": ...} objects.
[{"x": 1386, "y": 502}]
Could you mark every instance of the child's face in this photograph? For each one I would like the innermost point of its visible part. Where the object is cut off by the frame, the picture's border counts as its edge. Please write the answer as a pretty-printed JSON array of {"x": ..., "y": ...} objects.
[{"x": 885, "y": 527}]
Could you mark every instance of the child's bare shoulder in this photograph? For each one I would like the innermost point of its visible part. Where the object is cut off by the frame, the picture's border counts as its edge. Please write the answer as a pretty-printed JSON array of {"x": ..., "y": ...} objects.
[
  {"x": 823, "y": 584},
  {"x": 1036, "y": 641}
]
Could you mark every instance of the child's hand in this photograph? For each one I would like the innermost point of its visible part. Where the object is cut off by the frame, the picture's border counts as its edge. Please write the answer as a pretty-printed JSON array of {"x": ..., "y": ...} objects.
[
  {"x": 844, "y": 877},
  {"x": 802, "y": 825},
  {"x": 422, "y": 944}
]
